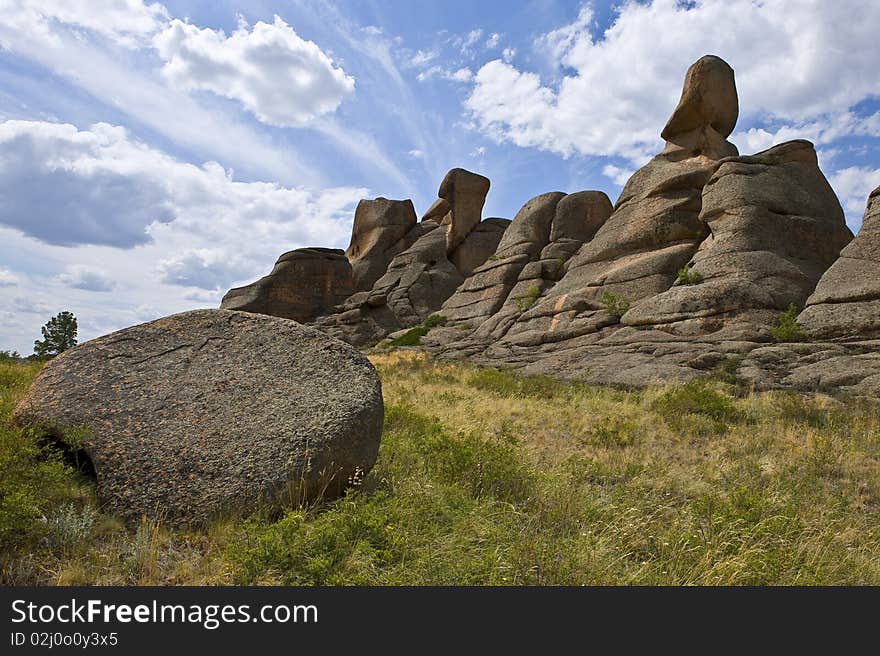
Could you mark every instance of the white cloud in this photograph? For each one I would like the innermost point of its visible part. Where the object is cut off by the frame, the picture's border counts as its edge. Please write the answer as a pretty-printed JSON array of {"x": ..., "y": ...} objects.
[
  {"x": 853, "y": 185},
  {"x": 278, "y": 76},
  {"x": 416, "y": 153},
  {"x": 88, "y": 278},
  {"x": 204, "y": 268},
  {"x": 493, "y": 41},
  {"x": 467, "y": 42},
  {"x": 617, "y": 174},
  {"x": 617, "y": 89},
  {"x": 129, "y": 22},
  {"x": 422, "y": 57},
  {"x": 508, "y": 54},
  {"x": 100, "y": 187},
  {"x": 462, "y": 75},
  {"x": 120, "y": 81},
  {"x": 821, "y": 131},
  {"x": 459, "y": 75},
  {"x": 7, "y": 278}
]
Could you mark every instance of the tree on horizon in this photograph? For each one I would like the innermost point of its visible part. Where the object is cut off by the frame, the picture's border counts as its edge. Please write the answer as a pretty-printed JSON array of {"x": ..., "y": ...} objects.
[{"x": 59, "y": 334}]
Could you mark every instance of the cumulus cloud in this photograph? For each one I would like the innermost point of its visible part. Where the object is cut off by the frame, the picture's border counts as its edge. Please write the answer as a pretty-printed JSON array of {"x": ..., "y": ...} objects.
[
  {"x": 67, "y": 187},
  {"x": 616, "y": 173},
  {"x": 613, "y": 91},
  {"x": 70, "y": 187},
  {"x": 853, "y": 185},
  {"x": 88, "y": 278},
  {"x": 205, "y": 268},
  {"x": 281, "y": 78},
  {"x": 129, "y": 22}
]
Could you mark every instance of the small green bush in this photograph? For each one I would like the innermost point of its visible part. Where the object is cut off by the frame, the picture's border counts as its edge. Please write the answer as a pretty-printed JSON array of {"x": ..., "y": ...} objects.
[
  {"x": 412, "y": 337},
  {"x": 505, "y": 383},
  {"x": 615, "y": 304},
  {"x": 697, "y": 398},
  {"x": 527, "y": 301},
  {"x": 787, "y": 329},
  {"x": 434, "y": 321},
  {"x": 687, "y": 276}
]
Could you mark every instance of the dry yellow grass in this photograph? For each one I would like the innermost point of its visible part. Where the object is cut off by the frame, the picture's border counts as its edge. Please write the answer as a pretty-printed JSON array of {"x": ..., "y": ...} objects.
[{"x": 490, "y": 478}]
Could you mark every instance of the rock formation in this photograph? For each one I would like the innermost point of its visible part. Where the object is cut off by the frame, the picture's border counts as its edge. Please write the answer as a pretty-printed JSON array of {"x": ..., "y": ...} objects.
[
  {"x": 379, "y": 233},
  {"x": 445, "y": 247},
  {"x": 212, "y": 410},
  {"x": 691, "y": 268},
  {"x": 304, "y": 284},
  {"x": 846, "y": 302},
  {"x": 776, "y": 226}
]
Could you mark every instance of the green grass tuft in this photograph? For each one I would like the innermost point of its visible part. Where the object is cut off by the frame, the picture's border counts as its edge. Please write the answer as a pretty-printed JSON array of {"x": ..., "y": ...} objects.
[
  {"x": 787, "y": 329},
  {"x": 616, "y": 305}
]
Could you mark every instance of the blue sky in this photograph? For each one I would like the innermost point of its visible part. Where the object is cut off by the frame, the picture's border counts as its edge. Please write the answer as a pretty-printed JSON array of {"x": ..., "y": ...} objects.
[{"x": 154, "y": 155}]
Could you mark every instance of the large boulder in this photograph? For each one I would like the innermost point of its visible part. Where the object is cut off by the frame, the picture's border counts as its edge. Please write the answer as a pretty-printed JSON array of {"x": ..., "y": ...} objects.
[
  {"x": 378, "y": 234},
  {"x": 707, "y": 111},
  {"x": 212, "y": 411},
  {"x": 776, "y": 226},
  {"x": 304, "y": 284},
  {"x": 846, "y": 302},
  {"x": 465, "y": 193}
]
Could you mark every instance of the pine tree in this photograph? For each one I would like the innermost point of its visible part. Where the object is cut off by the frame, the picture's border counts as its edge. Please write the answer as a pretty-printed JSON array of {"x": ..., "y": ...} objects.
[{"x": 59, "y": 334}]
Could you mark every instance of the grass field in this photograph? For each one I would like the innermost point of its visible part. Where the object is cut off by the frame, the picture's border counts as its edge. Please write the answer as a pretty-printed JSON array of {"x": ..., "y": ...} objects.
[{"x": 485, "y": 477}]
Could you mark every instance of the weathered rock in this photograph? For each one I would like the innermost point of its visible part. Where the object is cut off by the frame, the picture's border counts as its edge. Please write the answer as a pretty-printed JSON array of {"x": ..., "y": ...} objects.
[
  {"x": 846, "y": 302},
  {"x": 304, "y": 284},
  {"x": 438, "y": 211},
  {"x": 466, "y": 194},
  {"x": 707, "y": 111},
  {"x": 379, "y": 233},
  {"x": 479, "y": 245},
  {"x": 578, "y": 217},
  {"x": 210, "y": 411},
  {"x": 441, "y": 251},
  {"x": 655, "y": 227},
  {"x": 483, "y": 294},
  {"x": 776, "y": 226}
]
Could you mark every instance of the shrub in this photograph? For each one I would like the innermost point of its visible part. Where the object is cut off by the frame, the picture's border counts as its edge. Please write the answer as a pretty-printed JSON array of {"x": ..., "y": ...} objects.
[
  {"x": 615, "y": 304},
  {"x": 412, "y": 337},
  {"x": 787, "y": 329},
  {"x": 68, "y": 526},
  {"x": 32, "y": 480},
  {"x": 697, "y": 398},
  {"x": 509, "y": 384},
  {"x": 687, "y": 276},
  {"x": 434, "y": 320},
  {"x": 527, "y": 301}
]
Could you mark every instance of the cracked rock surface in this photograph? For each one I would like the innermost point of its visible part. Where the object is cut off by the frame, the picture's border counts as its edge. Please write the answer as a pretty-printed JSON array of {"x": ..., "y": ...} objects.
[{"x": 210, "y": 411}]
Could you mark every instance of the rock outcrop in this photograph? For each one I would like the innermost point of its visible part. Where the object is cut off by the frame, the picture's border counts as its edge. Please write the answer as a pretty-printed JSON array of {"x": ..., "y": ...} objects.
[
  {"x": 379, "y": 233},
  {"x": 304, "y": 284},
  {"x": 776, "y": 226},
  {"x": 846, "y": 302},
  {"x": 655, "y": 227},
  {"x": 690, "y": 269},
  {"x": 210, "y": 411},
  {"x": 444, "y": 249}
]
